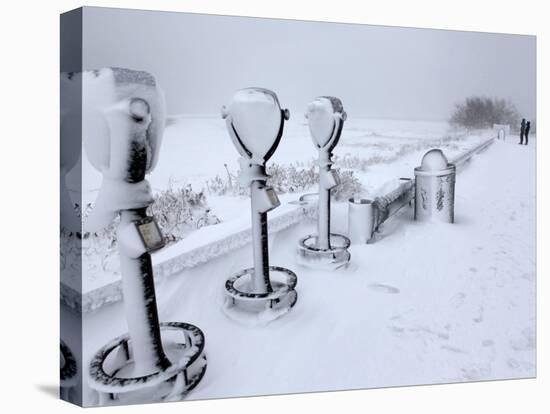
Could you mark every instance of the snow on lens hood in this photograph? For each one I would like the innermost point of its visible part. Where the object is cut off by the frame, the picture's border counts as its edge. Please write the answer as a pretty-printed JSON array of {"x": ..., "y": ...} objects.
[
  {"x": 324, "y": 115},
  {"x": 255, "y": 121},
  {"x": 107, "y": 88}
]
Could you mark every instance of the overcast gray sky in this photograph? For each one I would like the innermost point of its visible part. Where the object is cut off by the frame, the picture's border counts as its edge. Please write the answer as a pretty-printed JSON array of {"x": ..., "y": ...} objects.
[{"x": 377, "y": 71}]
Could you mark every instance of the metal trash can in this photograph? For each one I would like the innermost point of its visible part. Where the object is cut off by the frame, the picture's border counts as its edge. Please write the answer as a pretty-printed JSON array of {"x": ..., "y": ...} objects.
[
  {"x": 360, "y": 220},
  {"x": 435, "y": 188}
]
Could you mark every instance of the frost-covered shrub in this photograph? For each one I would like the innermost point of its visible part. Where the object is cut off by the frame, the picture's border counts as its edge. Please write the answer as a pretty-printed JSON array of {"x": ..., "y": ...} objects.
[
  {"x": 483, "y": 112},
  {"x": 226, "y": 185},
  {"x": 290, "y": 178},
  {"x": 354, "y": 162},
  {"x": 180, "y": 210},
  {"x": 176, "y": 210},
  {"x": 349, "y": 186},
  {"x": 96, "y": 251},
  {"x": 286, "y": 178}
]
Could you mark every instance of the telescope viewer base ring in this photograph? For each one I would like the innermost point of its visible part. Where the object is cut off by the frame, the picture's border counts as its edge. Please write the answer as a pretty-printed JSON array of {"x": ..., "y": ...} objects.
[
  {"x": 335, "y": 257},
  {"x": 244, "y": 305},
  {"x": 107, "y": 368}
]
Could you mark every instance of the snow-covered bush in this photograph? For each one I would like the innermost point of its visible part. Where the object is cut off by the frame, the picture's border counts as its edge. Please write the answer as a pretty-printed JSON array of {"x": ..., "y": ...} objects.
[
  {"x": 354, "y": 162},
  {"x": 286, "y": 178},
  {"x": 177, "y": 211},
  {"x": 226, "y": 185},
  {"x": 97, "y": 250},
  {"x": 180, "y": 210},
  {"x": 349, "y": 186},
  {"x": 290, "y": 178},
  {"x": 483, "y": 112}
]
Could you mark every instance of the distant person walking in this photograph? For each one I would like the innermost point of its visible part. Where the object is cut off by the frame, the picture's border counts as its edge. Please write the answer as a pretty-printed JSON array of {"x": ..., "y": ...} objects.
[
  {"x": 527, "y": 129},
  {"x": 521, "y": 131}
]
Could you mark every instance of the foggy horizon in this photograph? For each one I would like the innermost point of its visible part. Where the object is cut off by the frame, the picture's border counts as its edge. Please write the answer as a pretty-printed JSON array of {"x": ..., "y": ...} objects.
[{"x": 379, "y": 72}]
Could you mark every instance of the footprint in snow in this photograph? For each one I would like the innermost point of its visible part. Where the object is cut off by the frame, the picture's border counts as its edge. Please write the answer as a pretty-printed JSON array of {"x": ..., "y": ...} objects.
[
  {"x": 479, "y": 317},
  {"x": 453, "y": 349},
  {"x": 526, "y": 342},
  {"x": 458, "y": 299},
  {"x": 397, "y": 329},
  {"x": 522, "y": 366},
  {"x": 378, "y": 287},
  {"x": 476, "y": 373},
  {"x": 529, "y": 276}
]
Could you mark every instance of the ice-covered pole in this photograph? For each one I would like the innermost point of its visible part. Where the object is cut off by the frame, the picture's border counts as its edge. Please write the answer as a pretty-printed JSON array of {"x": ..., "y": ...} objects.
[
  {"x": 255, "y": 123},
  {"x": 323, "y": 219},
  {"x": 260, "y": 244},
  {"x": 326, "y": 118}
]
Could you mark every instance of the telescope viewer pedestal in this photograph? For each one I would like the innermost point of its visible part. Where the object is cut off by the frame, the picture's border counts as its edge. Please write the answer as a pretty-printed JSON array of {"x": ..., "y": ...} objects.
[{"x": 261, "y": 293}]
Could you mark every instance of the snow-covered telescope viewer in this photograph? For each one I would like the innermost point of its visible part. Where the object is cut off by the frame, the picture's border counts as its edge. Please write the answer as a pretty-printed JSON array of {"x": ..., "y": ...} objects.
[
  {"x": 325, "y": 116},
  {"x": 255, "y": 122},
  {"x": 123, "y": 121}
]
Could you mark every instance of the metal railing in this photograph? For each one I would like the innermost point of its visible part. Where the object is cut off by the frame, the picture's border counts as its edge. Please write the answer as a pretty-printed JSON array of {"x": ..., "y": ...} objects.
[
  {"x": 464, "y": 158},
  {"x": 389, "y": 204}
]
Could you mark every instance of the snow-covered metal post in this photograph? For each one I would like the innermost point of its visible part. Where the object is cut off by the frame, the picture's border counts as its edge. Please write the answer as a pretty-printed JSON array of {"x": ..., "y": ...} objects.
[
  {"x": 255, "y": 122},
  {"x": 123, "y": 121},
  {"x": 326, "y": 118},
  {"x": 435, "y": 188}
]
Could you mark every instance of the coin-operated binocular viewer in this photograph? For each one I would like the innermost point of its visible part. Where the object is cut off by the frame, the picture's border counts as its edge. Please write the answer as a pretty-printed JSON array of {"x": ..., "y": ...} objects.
[
  {"x": 325, "y": 250},
  {"x": 123, "y": 121},
  {"x": 255, "y": 122}
]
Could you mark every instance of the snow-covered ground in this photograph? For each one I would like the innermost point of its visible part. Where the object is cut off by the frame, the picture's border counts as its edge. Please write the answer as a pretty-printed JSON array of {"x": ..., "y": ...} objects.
[
  {"x": 195, "y": 150},
  {"x": 426, "y": 303}
]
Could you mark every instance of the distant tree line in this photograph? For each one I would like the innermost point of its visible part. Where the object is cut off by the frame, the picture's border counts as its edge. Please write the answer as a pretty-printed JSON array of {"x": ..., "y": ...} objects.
[{"x": 482, "y": 112}]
